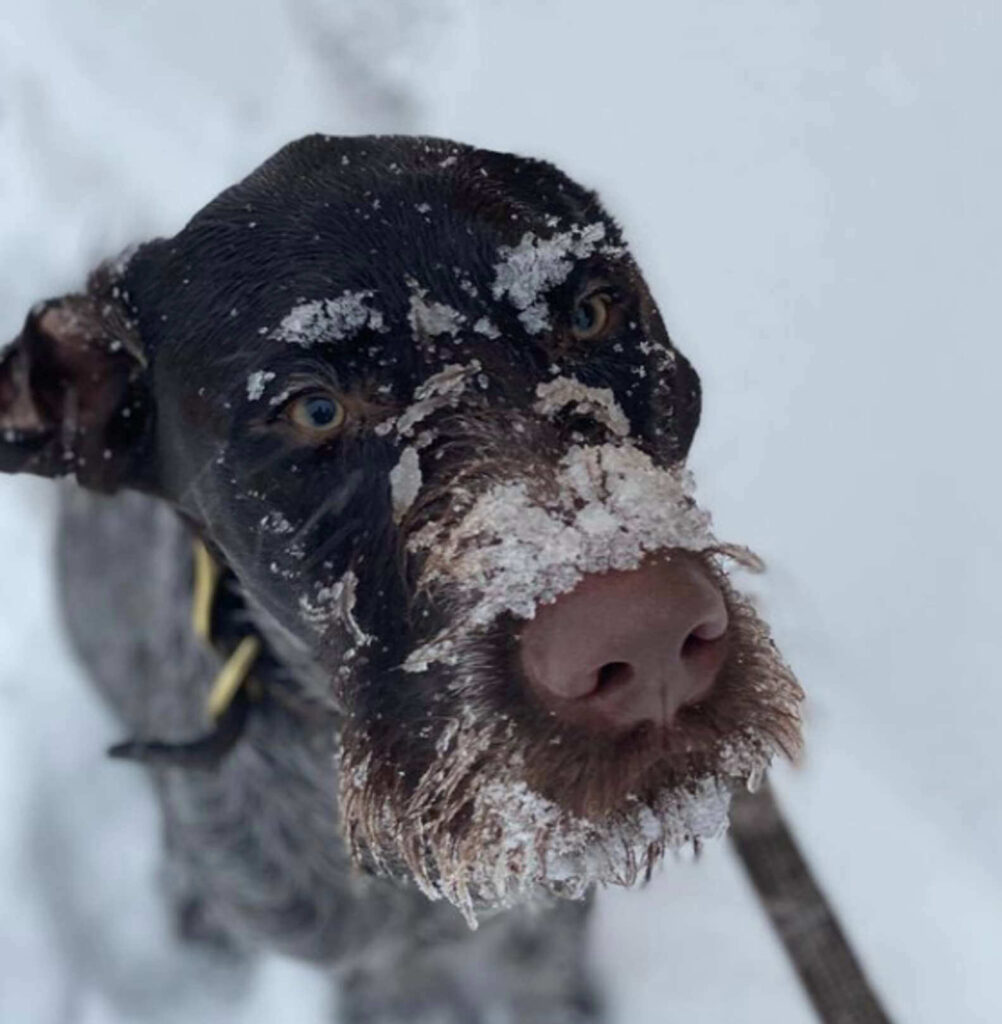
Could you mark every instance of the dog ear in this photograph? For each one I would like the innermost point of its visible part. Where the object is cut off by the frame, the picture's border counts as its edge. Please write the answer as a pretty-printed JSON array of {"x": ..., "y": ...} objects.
[{"x": 72, "y": 394}]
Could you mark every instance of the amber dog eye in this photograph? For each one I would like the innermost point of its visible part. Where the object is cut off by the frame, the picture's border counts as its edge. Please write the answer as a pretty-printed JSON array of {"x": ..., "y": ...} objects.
[
  {"x": 591, "y": 316},
  {"x": 316, "y": 414}
]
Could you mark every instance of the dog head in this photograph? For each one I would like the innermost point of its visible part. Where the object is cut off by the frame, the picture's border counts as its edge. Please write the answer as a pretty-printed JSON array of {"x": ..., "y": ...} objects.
[{"x": 418, "y": 397}]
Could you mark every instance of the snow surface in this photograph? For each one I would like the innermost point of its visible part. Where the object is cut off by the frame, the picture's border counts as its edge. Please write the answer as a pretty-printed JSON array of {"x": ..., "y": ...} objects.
[{"x": 812, "y": 191}]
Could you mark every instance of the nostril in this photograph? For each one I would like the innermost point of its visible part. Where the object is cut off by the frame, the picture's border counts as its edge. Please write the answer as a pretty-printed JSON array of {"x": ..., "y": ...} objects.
[
  {"x": 707, "y": 635},
  {"x": 701, "y": 658},
  {"x": 693, "y": 645},
  {"x": 614, "y": 675}
]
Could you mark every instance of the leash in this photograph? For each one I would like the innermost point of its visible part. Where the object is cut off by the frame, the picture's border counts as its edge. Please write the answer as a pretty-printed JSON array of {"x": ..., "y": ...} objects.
[
  {"x": 801, "y": 915},
  {"x": 231, "y": 695}
]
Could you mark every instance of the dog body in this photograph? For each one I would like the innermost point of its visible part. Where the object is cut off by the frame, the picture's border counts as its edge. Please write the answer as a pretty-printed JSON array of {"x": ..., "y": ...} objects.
[
  {"x": 254, "y": 854},
  {"x": 418, "y": 403}
]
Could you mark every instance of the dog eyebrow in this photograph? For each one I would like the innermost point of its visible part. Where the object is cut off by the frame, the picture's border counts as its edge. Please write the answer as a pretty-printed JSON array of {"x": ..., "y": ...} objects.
[
  {"x": 527, "y": 271},
  {"x": 263, "y": 374}
]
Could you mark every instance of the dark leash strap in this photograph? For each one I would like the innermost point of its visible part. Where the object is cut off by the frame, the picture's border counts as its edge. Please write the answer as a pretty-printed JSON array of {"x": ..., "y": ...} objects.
[
  {"x": 800, "y": 913},
  {"x": 233, "y": 692},
  {"x": 204, "y": 753}
]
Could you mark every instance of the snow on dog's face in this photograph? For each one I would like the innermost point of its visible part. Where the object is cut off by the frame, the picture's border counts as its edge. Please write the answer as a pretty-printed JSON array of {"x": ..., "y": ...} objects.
[
  {"x": 414, "y": 392},
  {"x": 497, "y": 800}
]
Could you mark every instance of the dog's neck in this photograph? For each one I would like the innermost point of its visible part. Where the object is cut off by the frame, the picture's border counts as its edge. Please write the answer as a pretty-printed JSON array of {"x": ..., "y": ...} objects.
[{"x": 263, "y": 667}]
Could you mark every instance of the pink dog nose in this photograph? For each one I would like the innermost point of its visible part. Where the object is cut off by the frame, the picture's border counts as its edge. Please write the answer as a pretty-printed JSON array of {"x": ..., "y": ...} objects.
[{"x": 623, "y": 648}]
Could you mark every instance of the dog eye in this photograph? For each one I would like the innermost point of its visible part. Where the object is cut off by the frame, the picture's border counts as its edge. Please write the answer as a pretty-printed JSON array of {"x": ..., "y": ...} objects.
[
  {"x": 591, "y": 316},
  {"x": 317, "y": 414}
]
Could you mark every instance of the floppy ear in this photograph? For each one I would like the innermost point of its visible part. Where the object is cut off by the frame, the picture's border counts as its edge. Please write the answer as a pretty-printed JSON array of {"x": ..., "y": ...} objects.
[{"x": 72, "y": 394}]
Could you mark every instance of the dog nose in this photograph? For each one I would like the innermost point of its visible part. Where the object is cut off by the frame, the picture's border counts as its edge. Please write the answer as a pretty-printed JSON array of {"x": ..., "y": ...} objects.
[{"x": 623, "y": 648}]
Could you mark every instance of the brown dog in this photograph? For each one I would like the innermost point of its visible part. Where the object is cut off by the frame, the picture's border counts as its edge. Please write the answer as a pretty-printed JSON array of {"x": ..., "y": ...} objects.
[{"x": 467, "y": 626}]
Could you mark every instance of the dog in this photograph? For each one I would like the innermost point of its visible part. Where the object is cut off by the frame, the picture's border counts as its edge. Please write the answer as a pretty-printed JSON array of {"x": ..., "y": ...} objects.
[{"x": 400, "y": 421}]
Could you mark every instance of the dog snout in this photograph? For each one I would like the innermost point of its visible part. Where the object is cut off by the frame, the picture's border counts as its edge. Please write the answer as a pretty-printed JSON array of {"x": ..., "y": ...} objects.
[{"x": 625, "y": 648}]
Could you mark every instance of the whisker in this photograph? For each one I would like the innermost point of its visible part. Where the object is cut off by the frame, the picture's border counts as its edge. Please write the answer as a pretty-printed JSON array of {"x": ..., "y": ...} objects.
[
  {"x": 199, "y": 474},
  {"x": 334, "y": 503}
]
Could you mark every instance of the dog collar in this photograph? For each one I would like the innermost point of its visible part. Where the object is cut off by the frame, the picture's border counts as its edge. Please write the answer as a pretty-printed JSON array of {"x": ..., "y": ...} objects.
[{"x": 232, "y": 691}]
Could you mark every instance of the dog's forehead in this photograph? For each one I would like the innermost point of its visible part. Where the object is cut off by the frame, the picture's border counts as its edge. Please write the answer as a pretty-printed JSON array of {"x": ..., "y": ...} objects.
[
  {"x": 367, "y": 214},
  {"x": 393, "y": 249}
]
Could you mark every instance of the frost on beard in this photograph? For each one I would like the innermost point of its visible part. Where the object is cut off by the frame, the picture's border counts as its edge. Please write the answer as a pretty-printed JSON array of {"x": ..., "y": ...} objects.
[
  {"x": 335, "y": 603},
  {"x": 521, "y": 542},
  {"x": 521, "y": 848}
]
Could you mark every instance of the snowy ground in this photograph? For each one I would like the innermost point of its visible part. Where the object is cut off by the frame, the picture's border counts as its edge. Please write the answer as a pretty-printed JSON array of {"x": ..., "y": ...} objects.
[{"x": 813, "y": 191}]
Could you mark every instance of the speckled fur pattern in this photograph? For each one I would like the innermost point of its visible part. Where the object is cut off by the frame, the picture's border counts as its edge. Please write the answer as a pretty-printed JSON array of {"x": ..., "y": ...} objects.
[{"x": 242, "y": 871}]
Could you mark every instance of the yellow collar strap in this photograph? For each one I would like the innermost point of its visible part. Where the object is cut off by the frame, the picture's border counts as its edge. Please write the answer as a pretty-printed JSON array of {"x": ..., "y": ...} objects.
[
  {"x": 235, "y": 672},
  {"x": 207, "y": 577}
]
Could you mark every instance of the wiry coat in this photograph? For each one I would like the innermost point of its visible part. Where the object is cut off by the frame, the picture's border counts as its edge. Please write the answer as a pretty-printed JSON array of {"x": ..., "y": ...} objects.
[
  {"x": 499, "y": 415},
  {"x": 254, "y": 856}
]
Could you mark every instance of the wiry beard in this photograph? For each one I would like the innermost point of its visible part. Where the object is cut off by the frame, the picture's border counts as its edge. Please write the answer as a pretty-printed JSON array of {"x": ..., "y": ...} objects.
[
  {"x": 505, "y": 804},
  {"x": 456, "y": 774}
]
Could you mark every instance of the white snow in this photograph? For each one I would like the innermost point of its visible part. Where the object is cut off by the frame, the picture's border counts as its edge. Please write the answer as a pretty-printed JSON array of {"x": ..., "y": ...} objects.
[
  {"x": 812, "y": 193},
  {"x": 599, "y": 403},
  {"x": 429, "y": 319},
  {"x": 487, "y": 327},
  {"x": 607, "y": 508},
  {"x": 535, "y": 846},
  {"x": 405, "y": 481},
  {"x": 257, "y": 382},
  {"x": 335, "y": 603},
  {"x": 525, "y": 272},
  {"x": 439, "y": 391},
  {"x": 327, "y": 320},
  {"x": 275, "y": 522}
]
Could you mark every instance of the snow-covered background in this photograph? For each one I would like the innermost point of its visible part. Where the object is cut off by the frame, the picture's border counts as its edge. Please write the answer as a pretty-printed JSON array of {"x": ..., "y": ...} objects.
[{"x": 813, "y": 189}]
